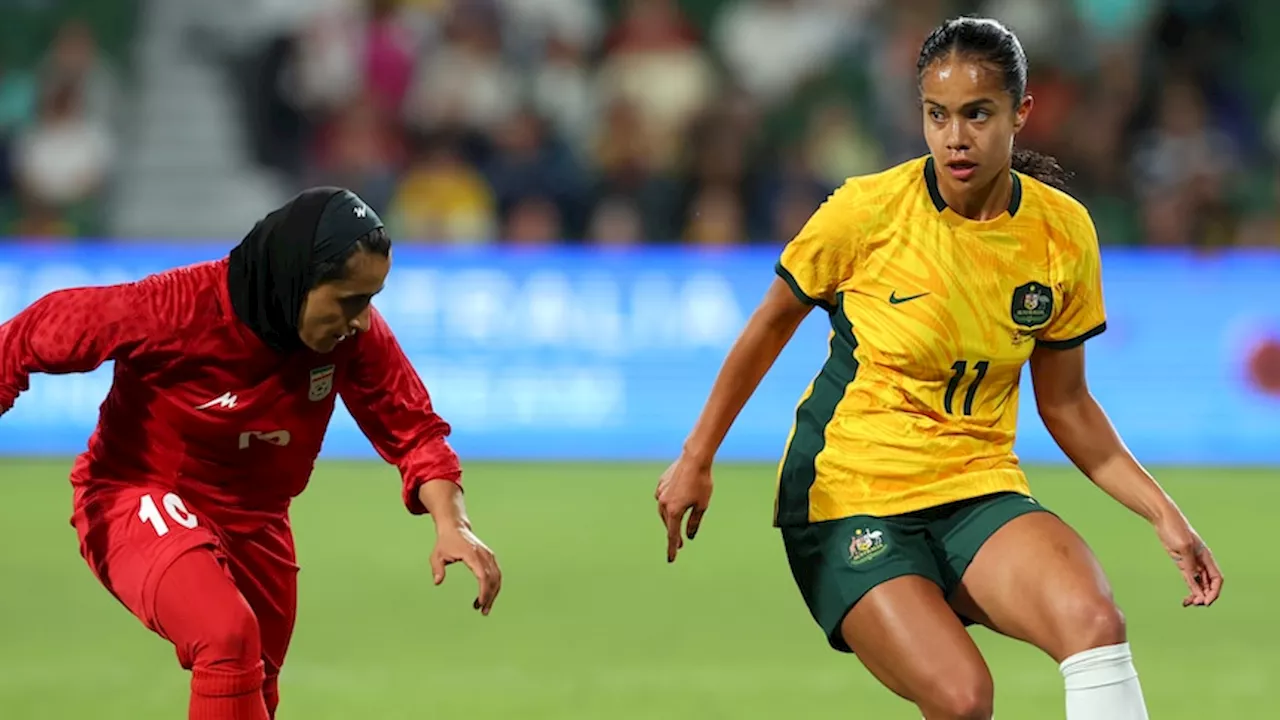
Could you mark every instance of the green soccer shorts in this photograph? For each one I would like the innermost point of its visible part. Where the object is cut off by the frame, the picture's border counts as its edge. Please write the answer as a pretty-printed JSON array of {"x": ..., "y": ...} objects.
[{"x": 836, "y": 562}]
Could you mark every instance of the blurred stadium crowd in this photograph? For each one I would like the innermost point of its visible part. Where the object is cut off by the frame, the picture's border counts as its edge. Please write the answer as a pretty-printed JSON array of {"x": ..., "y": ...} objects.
[{"x": 710, "y": 122}]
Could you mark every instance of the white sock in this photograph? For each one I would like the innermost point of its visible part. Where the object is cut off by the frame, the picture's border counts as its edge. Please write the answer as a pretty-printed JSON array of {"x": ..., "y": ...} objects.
[{"x": 1102, "y": 684}]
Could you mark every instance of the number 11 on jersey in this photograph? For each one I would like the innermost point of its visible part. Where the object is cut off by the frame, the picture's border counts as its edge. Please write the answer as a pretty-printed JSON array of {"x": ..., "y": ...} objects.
[{"x": 961, "y": 367}]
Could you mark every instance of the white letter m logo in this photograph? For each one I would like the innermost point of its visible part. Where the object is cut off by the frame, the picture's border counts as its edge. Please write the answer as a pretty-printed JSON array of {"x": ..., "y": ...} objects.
[{"x": 226, "y": 400}]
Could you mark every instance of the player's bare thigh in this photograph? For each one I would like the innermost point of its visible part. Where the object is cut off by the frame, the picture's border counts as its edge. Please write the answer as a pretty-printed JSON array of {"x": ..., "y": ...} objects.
[
  {"x": 911, "y": 640},
  {"x": 1036, "y": 580}
]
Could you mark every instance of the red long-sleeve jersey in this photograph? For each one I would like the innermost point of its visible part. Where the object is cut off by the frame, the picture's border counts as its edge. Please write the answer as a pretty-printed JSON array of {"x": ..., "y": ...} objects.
[{"x": 199, "y": 405}]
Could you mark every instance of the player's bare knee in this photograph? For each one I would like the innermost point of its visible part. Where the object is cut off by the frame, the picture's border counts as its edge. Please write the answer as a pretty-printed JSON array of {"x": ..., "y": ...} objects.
[
  {"x": 1095, "y": 622},
  {"x": 1106, "y": 625},
  {"x": 961, "y": 696},
  {"x": 963, "y": 700}
]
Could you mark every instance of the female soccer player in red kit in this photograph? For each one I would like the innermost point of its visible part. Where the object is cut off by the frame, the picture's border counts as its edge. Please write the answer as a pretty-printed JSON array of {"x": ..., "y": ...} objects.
[{"x": 225, "y": 380}]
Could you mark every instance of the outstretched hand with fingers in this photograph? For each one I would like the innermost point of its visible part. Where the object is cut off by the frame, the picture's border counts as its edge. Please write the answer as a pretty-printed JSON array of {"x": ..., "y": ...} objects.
[
  {"x": 461, "y": 545},
  {"x": 685, "y": 488},
  {"x": 1194, "y": 560}
]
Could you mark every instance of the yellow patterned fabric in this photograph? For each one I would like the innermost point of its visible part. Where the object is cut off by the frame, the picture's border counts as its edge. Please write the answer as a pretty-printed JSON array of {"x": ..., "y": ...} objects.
[{"x": 933, "y": 317}]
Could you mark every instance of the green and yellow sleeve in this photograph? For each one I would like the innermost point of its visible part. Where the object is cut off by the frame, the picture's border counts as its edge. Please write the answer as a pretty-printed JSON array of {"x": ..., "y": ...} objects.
[
  {"x": 822, "y": 255},
  {"x": 1083, "y": 312}
]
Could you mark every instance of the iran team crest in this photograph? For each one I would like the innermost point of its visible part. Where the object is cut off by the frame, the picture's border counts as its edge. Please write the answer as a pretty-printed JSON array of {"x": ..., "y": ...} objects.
[{"x": 321, "y": 383}]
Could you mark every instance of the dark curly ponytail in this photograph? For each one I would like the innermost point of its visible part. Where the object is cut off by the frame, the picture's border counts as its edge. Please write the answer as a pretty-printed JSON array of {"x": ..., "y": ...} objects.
[
  {"x": 1044, "y": 168},
  {"x": 988, "y": 41}
]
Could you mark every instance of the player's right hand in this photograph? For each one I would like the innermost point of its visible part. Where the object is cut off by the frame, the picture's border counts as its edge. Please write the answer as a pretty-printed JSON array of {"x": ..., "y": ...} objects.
[
  {"x": 461, "y": 545},
  {"x": 684, "y": 488}
]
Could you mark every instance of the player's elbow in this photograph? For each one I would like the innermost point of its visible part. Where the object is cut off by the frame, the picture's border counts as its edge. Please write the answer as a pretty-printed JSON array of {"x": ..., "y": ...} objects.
[
  {"x": 1062, "y": 404},
  {"x": 1068, "y": 419},
  {"x": 1063, "y": 419}
]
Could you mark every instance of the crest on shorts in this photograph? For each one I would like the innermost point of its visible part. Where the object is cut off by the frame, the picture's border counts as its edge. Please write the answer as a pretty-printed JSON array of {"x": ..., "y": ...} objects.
[
  {"x": 321, "y": 383},
  {"x": 1032, "y": 304},
  {"x": 866, "y": 544}
]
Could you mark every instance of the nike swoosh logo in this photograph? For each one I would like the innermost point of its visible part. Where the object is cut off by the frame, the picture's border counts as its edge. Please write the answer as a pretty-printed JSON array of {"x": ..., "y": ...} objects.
[{"x": 895, "y": 300}]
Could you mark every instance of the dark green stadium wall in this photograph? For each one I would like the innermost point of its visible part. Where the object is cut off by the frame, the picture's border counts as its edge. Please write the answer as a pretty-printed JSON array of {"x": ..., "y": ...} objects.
[{"x": 30, "y": 25}]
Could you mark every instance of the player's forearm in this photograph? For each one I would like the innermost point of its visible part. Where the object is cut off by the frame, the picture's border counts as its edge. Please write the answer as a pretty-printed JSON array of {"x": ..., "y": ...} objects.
[
  {"x": 443, "y": 501},
  {"x": 1086, "y": 435},
  {"x": 748, "y": 361}
]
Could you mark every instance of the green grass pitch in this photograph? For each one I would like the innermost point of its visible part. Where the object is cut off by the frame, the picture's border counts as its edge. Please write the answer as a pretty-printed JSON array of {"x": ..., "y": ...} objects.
[{"x": 593, "y": 623}]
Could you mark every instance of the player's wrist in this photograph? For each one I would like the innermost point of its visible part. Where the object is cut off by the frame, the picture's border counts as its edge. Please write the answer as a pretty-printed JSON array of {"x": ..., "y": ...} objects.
[
  {"x": 451, "y": 525},
  {"x": 1164, "y": 510},
  {"x": 443, "y": 502},
  {"x": 698, "y": 454}
]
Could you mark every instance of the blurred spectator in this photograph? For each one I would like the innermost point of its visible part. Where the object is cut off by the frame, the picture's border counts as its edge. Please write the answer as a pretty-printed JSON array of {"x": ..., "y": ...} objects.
[
  {"x": 528, "y": 161},
  {"x": 61, "y": 160},
  {"x": 441, "y": 198},
  {"x": 359, "y": 149},
  {"x": 838, "y": 146},
  {"x": 802, "y": 37},
  {"x": 1184, "y": 160},
  {"x": 388, "y": 54},
  {"x": 465, "y": 79},
  {"x": 534, "y": 220},
  {"x": 798, "y": 190},
  {"x": 627, "y": 165},
  {"x": 1096, "y": 131},
  {"x": 716, "y": 217},
  {"x": 562, "y": 92},
  {"x": 326, "y": 71},
  {"x": 1043, "y": 27},
  {"x": 894, "y": 50},
  {"x": 720, "y": 158},
  {"x": 654, "y": 60},
  {"x": 616, "y": 223},
  {"x": 533, "y": 23},
  {"x": 74, "y": 59}
]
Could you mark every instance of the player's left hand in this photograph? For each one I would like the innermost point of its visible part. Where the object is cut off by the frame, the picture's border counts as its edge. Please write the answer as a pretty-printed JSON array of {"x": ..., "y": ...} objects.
[
  {"x": 459, "y": 544},
  {"x": 1193, "y": 558}
]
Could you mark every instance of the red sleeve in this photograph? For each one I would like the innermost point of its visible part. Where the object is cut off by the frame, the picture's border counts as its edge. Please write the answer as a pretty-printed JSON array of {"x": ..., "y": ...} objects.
[
  {"x": 391, "y": 405},
  {"x": 73, "y": 331}
]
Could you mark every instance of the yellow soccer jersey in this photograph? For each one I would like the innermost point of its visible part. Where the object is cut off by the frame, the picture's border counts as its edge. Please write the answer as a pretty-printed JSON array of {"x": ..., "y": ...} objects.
[{"x": 933, "y": 316}]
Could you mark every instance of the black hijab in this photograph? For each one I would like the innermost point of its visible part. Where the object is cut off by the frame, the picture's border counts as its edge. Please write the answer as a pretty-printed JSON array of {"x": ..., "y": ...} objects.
[{"x": 274, "y": 266}]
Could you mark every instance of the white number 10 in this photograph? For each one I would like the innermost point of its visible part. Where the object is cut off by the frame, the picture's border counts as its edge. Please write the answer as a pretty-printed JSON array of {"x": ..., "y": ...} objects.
[{"x": 173, "y": 505}]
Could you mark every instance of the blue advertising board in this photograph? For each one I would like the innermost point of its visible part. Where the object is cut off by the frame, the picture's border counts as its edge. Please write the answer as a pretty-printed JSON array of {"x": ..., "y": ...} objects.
[{"x": 588, "y": 354}]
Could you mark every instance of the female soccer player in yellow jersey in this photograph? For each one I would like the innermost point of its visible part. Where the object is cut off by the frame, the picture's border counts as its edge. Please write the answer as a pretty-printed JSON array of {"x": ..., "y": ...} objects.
[{"x": 902, "y": 507}]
